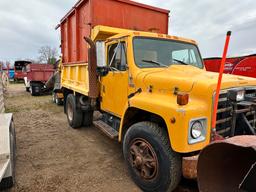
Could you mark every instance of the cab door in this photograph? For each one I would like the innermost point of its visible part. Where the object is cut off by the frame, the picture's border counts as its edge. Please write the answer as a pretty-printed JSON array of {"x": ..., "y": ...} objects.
[{"x": 114, "y": 86}]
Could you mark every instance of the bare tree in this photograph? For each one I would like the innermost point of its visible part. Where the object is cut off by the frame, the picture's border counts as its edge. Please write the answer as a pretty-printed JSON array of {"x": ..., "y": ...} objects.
[
  {"x": 47, "y": 54},
  {"x": 1, "y": 65}
]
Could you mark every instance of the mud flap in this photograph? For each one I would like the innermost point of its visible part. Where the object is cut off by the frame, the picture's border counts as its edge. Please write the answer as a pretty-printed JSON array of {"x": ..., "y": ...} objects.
[{"x": 228, "y": 165}]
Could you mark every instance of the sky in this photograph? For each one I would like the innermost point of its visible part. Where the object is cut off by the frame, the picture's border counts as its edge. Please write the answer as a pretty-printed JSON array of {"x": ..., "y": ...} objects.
[{"x": 27, "y": 25}]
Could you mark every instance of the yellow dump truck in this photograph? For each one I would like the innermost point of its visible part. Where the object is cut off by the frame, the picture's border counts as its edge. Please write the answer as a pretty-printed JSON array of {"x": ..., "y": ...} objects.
[{"x": 152, "y": 89}]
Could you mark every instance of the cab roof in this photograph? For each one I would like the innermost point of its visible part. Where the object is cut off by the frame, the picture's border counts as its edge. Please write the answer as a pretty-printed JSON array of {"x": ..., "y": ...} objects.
[{"x": 109, "y": 33}]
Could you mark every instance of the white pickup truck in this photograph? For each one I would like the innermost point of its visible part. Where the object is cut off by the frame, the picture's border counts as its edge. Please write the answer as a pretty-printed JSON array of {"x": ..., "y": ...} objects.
[{"x": 7, "y": 146}]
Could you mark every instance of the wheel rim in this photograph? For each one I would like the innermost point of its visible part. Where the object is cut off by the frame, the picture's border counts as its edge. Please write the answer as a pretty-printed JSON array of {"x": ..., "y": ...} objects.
[
  {"x": 70, "y": 111},
  {"x": 143, "y": 159}
]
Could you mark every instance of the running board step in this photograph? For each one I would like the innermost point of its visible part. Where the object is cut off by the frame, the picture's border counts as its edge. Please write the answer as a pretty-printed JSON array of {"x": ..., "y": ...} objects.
[{"x": 105, "y": 128}]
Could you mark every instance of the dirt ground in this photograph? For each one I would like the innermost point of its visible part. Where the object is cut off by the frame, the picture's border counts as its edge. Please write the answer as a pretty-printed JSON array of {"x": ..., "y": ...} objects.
[{"x": 53, "y": 157}]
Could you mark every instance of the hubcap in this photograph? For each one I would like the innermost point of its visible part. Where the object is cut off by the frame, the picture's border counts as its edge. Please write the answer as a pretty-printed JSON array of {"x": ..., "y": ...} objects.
[
  {"x": 143, "y": 159},
  {"x": 70, "y": 111}
]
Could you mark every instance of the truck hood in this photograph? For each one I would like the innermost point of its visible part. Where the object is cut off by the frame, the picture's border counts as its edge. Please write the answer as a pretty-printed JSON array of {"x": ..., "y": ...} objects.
[{"x": 187, "y": 78}]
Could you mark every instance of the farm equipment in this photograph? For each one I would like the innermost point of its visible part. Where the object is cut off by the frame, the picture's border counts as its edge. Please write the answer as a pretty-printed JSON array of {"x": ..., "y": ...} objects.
[
  {"x": 7, "y": 146},
  {"x": 151, "y": 88},
  {"x": 20, "y": 70},
  {"x": 228, "y": 165},
  {"x": 37, "y": 76},
  {"x": 245, "y": 65},
  {"x": 54, "y": 84}
]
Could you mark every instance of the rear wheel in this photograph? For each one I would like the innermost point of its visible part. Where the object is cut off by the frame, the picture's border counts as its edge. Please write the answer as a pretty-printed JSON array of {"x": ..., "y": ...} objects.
[
  {"x": 87, "y": 118},
  {"x": 152, "y": 164},
  {"x": 35, "y": 90},
  {"x": 32, "y": 90},
  {"x": 74, "y": 113}
]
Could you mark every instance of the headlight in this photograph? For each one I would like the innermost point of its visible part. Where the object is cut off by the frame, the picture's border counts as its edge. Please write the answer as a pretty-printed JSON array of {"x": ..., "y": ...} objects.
[
  {"x": 196, "y": 130},
  {"x": 236, "y": 95}
]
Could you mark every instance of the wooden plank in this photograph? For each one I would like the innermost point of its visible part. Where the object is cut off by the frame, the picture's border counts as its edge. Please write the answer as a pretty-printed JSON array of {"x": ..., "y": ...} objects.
[{"x": 1, "y": 95}]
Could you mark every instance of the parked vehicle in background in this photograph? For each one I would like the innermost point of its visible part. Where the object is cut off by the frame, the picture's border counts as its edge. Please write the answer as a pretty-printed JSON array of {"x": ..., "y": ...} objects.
[
  {"x": 20, "y": 70},
  {"x": 7, "y": 145},
  {"x": 54, "y": 84},
  {"x": 10, "y": 72},
  {"x": 244, "y": 65},
  {"x": 151, "y": 88},
  {"x": 37, "y": 75}
]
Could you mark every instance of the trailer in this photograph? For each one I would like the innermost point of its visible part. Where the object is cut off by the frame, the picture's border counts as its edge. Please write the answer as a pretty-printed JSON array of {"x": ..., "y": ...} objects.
[
  {"x": 20, "y": 70},
  {"x": 152, "y": 90},
  {"x": 7, "y": 146},
  {"x": 244, "y": 65},
  {"x": 37, "y": 76}
]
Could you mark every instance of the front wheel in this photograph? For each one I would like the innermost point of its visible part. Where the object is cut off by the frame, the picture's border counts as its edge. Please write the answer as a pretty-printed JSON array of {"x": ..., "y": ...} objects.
[
  {"x": 54, "y": 97},
  {"x": 152, "y": 164}
]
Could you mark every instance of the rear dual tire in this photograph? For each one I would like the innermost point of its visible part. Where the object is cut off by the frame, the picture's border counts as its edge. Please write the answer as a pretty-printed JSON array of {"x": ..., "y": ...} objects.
[
  {"x": 33, "y": 91},
  {"x": 76, "y": 117}
]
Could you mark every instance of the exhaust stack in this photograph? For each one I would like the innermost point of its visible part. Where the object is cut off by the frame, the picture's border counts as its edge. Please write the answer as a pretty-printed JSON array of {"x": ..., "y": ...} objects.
[{"x": 92, "y": 69}]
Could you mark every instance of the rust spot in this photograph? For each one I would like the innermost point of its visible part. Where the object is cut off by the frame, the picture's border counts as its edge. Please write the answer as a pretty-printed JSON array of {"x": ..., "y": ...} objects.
[{"x": 173, "y": 120}]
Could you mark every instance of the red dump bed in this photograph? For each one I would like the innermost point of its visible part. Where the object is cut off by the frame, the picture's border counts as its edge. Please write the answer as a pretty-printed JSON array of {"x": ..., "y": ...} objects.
[
  {"x": 39, "y": 72},
  {"x": 87, "y": 14},
  {"x": 245, "y": 66}
]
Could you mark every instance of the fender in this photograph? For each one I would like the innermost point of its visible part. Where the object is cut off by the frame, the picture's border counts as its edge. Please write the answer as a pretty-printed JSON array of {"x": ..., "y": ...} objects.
[{"x": 176, "y": 117}]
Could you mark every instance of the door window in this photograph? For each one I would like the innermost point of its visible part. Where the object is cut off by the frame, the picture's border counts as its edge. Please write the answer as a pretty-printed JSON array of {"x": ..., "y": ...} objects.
[{"x": 117, "y": 56}]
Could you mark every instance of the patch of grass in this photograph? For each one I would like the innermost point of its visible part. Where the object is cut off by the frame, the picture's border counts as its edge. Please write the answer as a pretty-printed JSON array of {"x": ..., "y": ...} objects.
[{"x": 11, "y": 110}]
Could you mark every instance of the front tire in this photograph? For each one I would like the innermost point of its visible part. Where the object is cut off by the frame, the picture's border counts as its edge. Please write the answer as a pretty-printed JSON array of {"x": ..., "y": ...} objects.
[
  {"x": 74, "y": 113},
  {"x": 54, "y": 97},
  {"x": 59, "y": 101},
  {"x": 152, "y": 164}
]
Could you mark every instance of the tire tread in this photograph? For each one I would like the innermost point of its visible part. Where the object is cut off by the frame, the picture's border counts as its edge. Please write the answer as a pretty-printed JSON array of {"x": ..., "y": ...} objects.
[{"x": 175, "y": 159}]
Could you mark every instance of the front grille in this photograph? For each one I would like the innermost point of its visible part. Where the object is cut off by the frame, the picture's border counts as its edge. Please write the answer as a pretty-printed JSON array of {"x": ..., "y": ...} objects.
[{"x": 224, "y": 113}]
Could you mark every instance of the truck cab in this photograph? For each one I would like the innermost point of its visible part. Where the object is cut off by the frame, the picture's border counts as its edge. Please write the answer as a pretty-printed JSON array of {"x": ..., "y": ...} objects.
[
  {"x": 20, "y": 70},
  {"x": 156, "y": 98}
]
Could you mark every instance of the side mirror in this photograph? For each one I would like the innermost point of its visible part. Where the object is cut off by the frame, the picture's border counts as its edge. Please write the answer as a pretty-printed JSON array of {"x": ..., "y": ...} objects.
[{"x": 101, "y": 55}]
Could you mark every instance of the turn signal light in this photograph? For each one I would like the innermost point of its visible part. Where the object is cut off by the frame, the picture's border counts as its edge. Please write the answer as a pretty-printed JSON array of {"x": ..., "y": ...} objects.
[{"x": 182, "y": 98}]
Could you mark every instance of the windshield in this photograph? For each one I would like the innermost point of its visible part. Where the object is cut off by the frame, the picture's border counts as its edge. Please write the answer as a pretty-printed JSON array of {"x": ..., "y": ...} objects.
[{"x": 154, "y": 52}]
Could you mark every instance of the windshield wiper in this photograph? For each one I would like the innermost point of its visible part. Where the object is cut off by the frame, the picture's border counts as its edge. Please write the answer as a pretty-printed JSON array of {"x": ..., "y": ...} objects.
[
  {"x": 155, "y": 62},
  {"x": 181, "y": 62}
]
